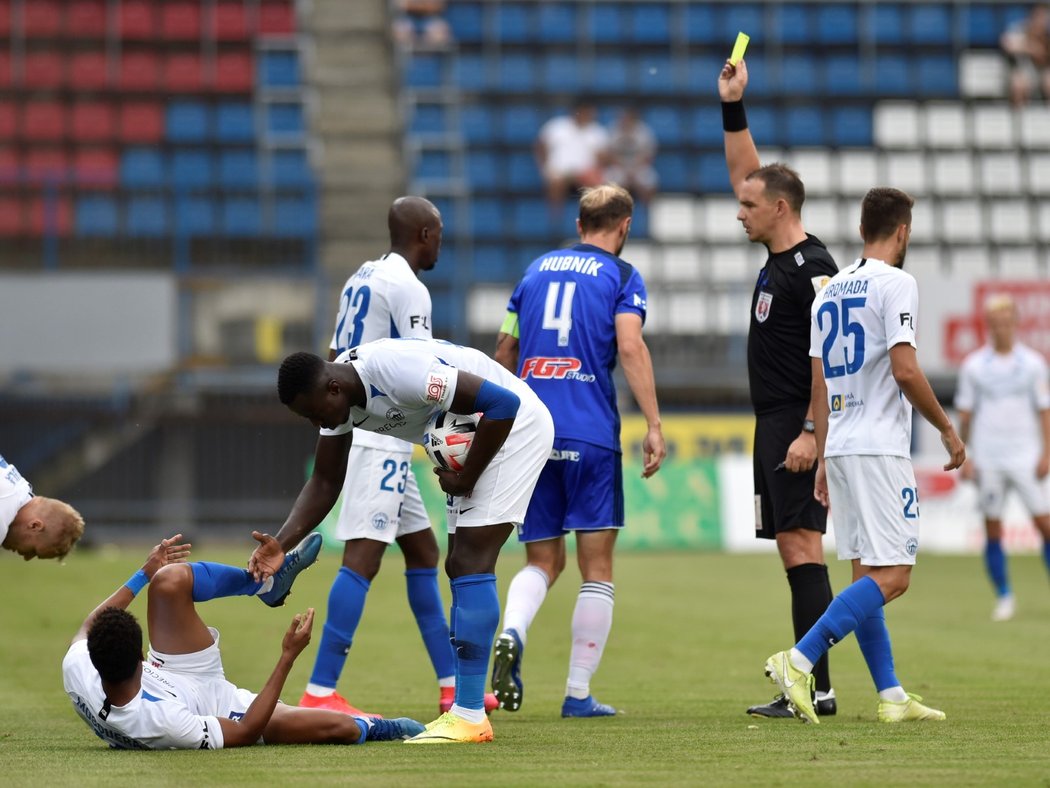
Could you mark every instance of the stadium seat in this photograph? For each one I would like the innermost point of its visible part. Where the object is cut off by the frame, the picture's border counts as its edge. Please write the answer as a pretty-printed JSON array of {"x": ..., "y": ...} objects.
[
  {"x": 982, "y": 25},
  {"x": 719, "y": 219},
  {"x": 433, "y": 165},
  {"x": 143, "y": 168},
  {"x": 993, "y": 126},
  {"x": 519, "y": 124},
  {"x": 8, "y": 120},
  {"x": 1019, "y": 262},
  {"x": 953, "y": 173},
  {"x": 963, "y": 220},
  {"x": 180, "y": 21},
  {"x": 234, "y": 72},
  {"x": 467, "y": 21},
  {"x": 843, "y": 75},
  {"x": 285, "y": 119},
  {"x": 1038, "y": 169},
  {"x": 674, "y": 171},
  {"x": 1035, "y": 120},
  {"x": 930, "y": 23},
  {"x": 492, "y": 263},
  {"x": 799, "y": 75},
  {"x": 423, "y": 71},
  {"x": 518, "y": 72},
  {"x": 649, "y": 23},
  {"x": 50, "y": 214},
  {"x": 742, "y": 16},
  {"x": 276, "y": 18},
  {"x": 1009, "y": 221},
  {"x": 851, "y": 126},
  {"x": 183, "y": 73},
  {"x": 907, "y": 171},
  {"x": 428, "y": 120},
  {"x": 705, "y": 126},
  {"x": 639, "y": 222},
  {"x": 95, "y": 168},
  {"x": 295, "y": 217},
  {"x": 471, "y": 72},
  {"x": 6, "y": 75},
  {"x": 487, "y": 218},
  {"x": 946, "y": 126},
  {"x": 41, "y": 19},
  {"x": 241, "y": 217},
  {"x": 86, "y": 19},
  {"x": 279, "y": 69},
  {"x": 195, "y": 216},
  {"x": 804, "y": 125},
  {"x": 238, "y": 169},
  {"x": 191, "y": 168},
  {"x": 893, "y": 75},
  {"x": 700, "y": 23},
  {"x": 141, "y": 121},
  {"x": 45, "y": 165},
  {"x": 666, "y": 123},
  {"x": 657, "y": 74},
  {"x": 897, "y": 124},
  {"x": 562, "y": 73},
  {"x": 43, "y": 70},
  {"x": 939, "y": 76},
  {"x": 290, "y": 168},
  {"x": 557, "y": 22},
  {"x": 923, "y": 222},
  {"x": 836, "y": 24},
  {"x": 609, "y": 75},
  {"x": 823, "y": 220},
  {"x": 982, "y": 74},
  {"x": 93, "y": 121},
  {"x": 11, "y": 216},
  {"x": 187, "y": 121},
  {"x": 763, "y": 76},
  {"x": 139, "y": 71},
  {"x": 483, "y": 171},
  {"x": 764, "y": 121},
  {"x": 146, "y": 217},
  {"x": 712, "y": 175},
  {"x": 137, "y": 19},
  {"x": 523, "y": 174},
  {"x": 513, "y": 22},
  {"x": 87, "y": 71},
  {"x": 478, "y": 124},
  {"x": 885, "y": 24},
  {"x": 815, "y": 167},
  {"x": 96, "y": 216},
  {"x": 681, "y": 265},
  {"x": 43, "y": 120},
  {"x": 1042, "y": 229},
  {"x": 606, "y": 23},
  {"x": 857, "y": 171},
  {"x": 794, "y": 23},
  {"x": 230, "y": 21},
  {"x": 729, "y": 265},
  {"x": 234, "y": 122}
]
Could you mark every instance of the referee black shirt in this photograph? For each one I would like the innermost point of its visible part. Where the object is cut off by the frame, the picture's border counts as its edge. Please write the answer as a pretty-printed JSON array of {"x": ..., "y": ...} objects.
[{"x": 778, "y": 365}]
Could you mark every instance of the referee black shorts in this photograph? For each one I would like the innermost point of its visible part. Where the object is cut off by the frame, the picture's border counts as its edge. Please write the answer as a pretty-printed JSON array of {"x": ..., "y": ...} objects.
[{"x": 783, "y": 500}]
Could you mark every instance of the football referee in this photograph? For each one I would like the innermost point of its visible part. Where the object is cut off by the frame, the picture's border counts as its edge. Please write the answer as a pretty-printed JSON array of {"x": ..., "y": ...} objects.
[{"x": 779, "y": 374}]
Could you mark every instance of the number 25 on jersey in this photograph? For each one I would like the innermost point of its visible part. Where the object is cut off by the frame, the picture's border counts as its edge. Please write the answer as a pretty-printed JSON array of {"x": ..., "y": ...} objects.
[{"x": 833, "y": 320}]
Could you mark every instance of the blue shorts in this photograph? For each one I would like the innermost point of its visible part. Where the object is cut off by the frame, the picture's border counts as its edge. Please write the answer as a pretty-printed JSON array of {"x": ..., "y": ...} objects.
[{"x": 580, "y": 489}]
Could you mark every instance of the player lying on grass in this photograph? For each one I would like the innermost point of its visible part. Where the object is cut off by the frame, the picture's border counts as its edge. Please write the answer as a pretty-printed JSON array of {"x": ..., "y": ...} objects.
[
  {"x": 178, "y": 698},
  {"x": 31, "y": 525}
]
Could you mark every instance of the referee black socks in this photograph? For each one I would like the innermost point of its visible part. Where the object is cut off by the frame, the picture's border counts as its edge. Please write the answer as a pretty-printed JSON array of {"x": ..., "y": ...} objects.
[{"x": 810, "y": 597}]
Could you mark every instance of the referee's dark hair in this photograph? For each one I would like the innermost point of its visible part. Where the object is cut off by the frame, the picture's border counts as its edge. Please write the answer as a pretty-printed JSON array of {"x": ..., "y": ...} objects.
[
  {"x": 603, "y": 207},
  {"x": 883, "y": 211},
  {"x": 782, "y": 182},
  {"x": 299, "y": 373},
  {"x": 114, "y": 644}
]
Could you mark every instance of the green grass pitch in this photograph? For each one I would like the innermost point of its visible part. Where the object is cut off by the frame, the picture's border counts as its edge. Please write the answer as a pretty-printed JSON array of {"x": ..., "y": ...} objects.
[{"x": 690, "y": 636}]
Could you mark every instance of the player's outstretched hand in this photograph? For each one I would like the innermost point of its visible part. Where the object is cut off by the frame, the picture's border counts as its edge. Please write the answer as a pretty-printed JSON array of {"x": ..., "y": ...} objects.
[
  {"x": 820, "y": 487},
  {"x": 955, "y": 447},
  {"x": 801, "y": 454},
  {"x": 453, "y": 483},
  {"x": 267, "y": 559},
  {"x": 732, "y": 81},
  {"x": 298, "y": 635},
  {"x": 169, "y": 551},
  {"x": 654, "y": 450}
]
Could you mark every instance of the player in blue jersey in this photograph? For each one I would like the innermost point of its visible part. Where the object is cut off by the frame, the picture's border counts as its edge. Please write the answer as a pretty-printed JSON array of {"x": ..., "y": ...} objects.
[{"x": 573, "y": 312}]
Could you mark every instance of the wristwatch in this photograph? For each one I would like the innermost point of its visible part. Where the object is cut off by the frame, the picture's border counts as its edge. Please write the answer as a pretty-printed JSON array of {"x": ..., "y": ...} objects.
[{"x": 809, "y": 426}]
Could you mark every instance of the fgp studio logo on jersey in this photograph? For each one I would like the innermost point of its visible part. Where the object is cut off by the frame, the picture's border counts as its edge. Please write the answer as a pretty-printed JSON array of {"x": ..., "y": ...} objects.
[{"x": 763, "y": 306}]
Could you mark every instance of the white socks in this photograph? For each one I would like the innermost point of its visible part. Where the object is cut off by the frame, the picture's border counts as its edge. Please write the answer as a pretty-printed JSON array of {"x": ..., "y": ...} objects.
[
  {"x": 470, "y": 715},
  {"x": 800, "y": 661},
  {"x": 591, "y": 622},
  {"x": 527, "y": 591},
  {"x": 893, "y": 694},
  {"x": 319, "y": 691}
]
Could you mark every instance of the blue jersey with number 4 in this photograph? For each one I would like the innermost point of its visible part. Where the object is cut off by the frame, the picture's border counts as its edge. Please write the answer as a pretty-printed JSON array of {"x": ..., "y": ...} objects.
[{"x": 567, "y": 304}]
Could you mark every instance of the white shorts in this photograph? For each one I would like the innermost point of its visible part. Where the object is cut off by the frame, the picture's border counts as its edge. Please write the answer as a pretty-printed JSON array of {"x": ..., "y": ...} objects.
[
  {"x": 875, "y": 509},
  {"x": 993, "y": 483},
  {"x": 201, "y": 674},
  {"x": 381, "y": 499},
  {"x": 504, "y": 489}
]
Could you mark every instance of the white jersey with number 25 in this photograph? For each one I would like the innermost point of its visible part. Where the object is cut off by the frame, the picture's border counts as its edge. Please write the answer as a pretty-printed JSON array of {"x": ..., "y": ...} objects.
[{"x": 865, "y": 310}]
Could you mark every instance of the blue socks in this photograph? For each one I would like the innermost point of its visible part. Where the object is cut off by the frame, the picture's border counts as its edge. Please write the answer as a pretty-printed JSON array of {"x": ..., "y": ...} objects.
[
  {"x": 346, "y": 602},
  {"x": 995, "y": 563},
  {"x": 1046, "y": 555},
  {"x": 844, "y": 615},
  {"x": 475, "y": 618},
  {"x": 874, "y": 641},
  {"x": 211, "y": 581},
  {"x": 424, "y": 598}
]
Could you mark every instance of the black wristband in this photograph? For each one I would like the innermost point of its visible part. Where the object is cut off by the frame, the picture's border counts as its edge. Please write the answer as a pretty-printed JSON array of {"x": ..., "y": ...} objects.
[{"x": 733, "y": 116}]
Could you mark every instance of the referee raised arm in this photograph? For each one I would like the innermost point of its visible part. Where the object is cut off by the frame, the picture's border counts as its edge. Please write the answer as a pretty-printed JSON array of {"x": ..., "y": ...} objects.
[{"x": 778, "y": 367}]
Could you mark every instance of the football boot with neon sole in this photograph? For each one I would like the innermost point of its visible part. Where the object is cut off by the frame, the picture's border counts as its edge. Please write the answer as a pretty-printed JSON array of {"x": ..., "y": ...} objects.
[
  {"x": 796, "y": 686},
  {"x": 450, "y": 728},
  {"x": 506, "y": 671},
  {"x": 911, "y": 710},
  {"x": 334, "y": 702},
  {"x": 778, "y": 707},
  {"x": 586, "y": 707},
  {"x": 296, "y": 560}
]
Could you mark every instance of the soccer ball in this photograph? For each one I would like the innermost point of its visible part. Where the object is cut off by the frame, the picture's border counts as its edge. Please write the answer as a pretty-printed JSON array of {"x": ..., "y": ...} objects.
[{"x": 447, "y": 438}]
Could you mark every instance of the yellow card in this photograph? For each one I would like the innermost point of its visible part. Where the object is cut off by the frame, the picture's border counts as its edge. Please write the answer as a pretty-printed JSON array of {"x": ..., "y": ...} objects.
[{"x": 739, "y": 48}]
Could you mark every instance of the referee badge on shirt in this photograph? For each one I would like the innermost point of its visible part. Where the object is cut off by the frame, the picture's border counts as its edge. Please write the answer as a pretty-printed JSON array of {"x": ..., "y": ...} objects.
[{"x": 763, "y": 305}]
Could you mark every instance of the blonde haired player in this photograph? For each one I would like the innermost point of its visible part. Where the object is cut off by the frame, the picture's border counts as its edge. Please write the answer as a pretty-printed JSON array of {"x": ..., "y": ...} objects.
[
  {"x": 31, "y": 525},
  {"x": 1004, "y": 398}
]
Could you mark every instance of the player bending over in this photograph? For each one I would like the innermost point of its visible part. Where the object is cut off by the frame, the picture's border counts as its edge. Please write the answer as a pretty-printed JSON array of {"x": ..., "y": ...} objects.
[
  {"x": 31, "y": 525},
  {"x": 178, "y": 698}
]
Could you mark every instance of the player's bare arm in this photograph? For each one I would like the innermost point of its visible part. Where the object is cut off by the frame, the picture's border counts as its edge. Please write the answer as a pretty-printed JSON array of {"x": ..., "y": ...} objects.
[
  {"x": 912, "y": 381},
  {"x": 506, "y": 354},
  {"x": 169, "y": 551},
  {"x": 741, "y": 154},
  {"x": 965, "y": 420},
  {"x": 1043, "y": 466},
  {"x": 247, "y": 730},
  {"x": 819, "y": 412},
  {"x": 638, "y": 369}
]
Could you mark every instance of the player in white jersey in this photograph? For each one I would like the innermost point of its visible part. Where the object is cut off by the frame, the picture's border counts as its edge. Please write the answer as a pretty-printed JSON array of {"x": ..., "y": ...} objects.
[
  {"x": 178, "y": 698},
  {"x": 392, "y": 387},
  {"x": 31, "y": 525},
  {"x": 381, "y": 500},
  {"x": 1004, "y": 395},
  {"x": 866, "y": 378}
]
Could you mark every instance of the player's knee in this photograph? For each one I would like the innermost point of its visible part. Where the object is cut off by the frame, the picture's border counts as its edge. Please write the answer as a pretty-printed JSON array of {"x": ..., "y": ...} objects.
[{"x": 172, "y": 580}]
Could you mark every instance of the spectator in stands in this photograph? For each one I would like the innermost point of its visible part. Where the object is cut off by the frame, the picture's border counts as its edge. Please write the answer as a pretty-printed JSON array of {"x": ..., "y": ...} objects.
[
  {"x": 421, "y": 22},
  {"x": 571, "y": 151},
  {"x": 632, "y": 148},
  {"x": 31, "y": 525},
  {"x": 1027, "y": 45}
]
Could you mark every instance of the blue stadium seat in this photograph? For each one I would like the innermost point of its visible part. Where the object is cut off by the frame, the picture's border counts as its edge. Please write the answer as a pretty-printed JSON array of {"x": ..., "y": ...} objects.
[
  {"x": 794, "y": 24},
  {"x": 521, "y": 123},
  {"x": 982, "y": 25},
  {"x": 285, "y": 119},
  {"x": 433, "y": 165},
  {"x": 561, "y": 73},
  {"x": 1014, "y": 12},
  {"x": 194, "y": 216},
  {"x": 649, "y": 23},
  {"x": 423, "y": 71},
  {"x": 609, "y": 74},
  {"x": 893, "y": 76},
  {"x": 279, "y": 69},
  {"x": 937, "y": 76},
  {"x": 702, "y": 75},
  {"x": 705, "y": 126},
  {"x": 674, "y": 172},
  {"x": 666, "y": 123},
  {"x": 804, "y": 126},
  {"x": 656, "y": 75},
  {"x": 290, "y": 168},
  {"x": 700, "y": 24},
  {"x": 96, "y": 215},
  {"x": 192, "y": 169},
  {"x": 844, "y": 76},
  {"x": 836, "y": 24},
  {"x": 523, "y": 174},
  {"x": 241, "y": 217},
  {"x": 514, "y": 22},
  {"x": 487, "y": 218},
  {"x": 447, "y": 208},
  {"x": 491, "y": 263},
  {"x": 762, "y": 76},
  {"x": 147, "y": 217},
  {"x": 799, "y": 75},
  {"x": 640, "y": 221},
  {"x": 477, "y": 124},
  {"x": 748, "y": 17},
  {"x": 885, "y": 23},
  {"x": 446, "y": 309},
  {"x": 712, "y": 173},
  {"x": 143, "y": 168},
  {"x": 517, "y": 72},
  {"x": 295, "y": 217},
  {"x": 483, "y": 170},
  {"x": 557, "y": 23},
  {"x": 765, "y": 124},
  {"x": 531, "y": 219},
  {"x": 187, "y": 121},
  {"x": 238, "y": 169},
  {"x": 466, "y": 21},
  {"x": 930, "y": 24},
  {"x": 234, "y": 122},
  {"x": 428, "y": 119},
  {"x": 606, "y": 23},
  {"x": 472, "y": 72},
  {"x": 852, "y": 127}
]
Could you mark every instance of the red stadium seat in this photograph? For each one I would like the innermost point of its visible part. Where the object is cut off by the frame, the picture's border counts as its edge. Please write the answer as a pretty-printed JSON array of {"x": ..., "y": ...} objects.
[
  {"x": 5, "y": 69},
  {"x": 5, "y": 18},
  {"x": 137, "y": 19},
  {"x": 43, "y": 69},
  {"x": 139, "y": 71},
  {"x": 141, "y": 121},
  {"x": 43, "y": 120},
  {"x": 45, "y": 165},
  {"x": 230, "y": 21},
  {"x": 41, "y": 18},
  {"x": 11, "y": 210},
  {"x": 234, "y": 72},
  {"x": 10, "y": 168},
  {"x": 184, "y": 73},
  {"x": 276, "y": 18},
  {"x": 180, "y": 21},
  {"x": 50, "y": 214},
  {"x": 8, "y": 120},
  {"x": 95, "y": 168},
  {"x": 88, "y": 71},
  {"x": 93, "y": 121},
  {"x": 86, "y": 19}
]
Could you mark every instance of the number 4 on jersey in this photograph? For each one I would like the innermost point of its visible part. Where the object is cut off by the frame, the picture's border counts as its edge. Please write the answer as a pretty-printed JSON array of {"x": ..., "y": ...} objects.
[{"x": 559, "y": 319}]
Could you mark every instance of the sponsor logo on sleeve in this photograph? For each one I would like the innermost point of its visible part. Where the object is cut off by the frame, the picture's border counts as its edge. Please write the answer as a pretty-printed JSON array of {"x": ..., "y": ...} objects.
[
  {"x": 907, "y": 320},
  {"x": 436, "y": 387},
  {"x": 819, "y": 282}
]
